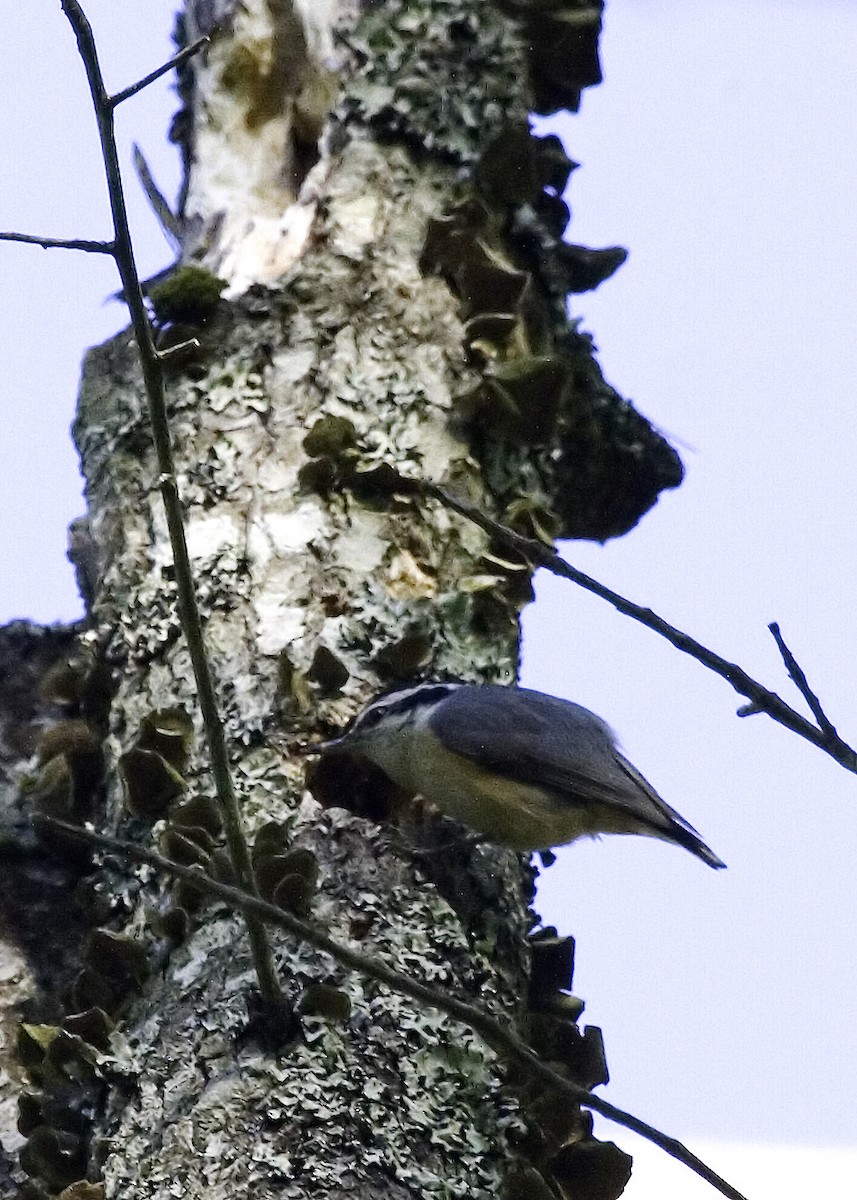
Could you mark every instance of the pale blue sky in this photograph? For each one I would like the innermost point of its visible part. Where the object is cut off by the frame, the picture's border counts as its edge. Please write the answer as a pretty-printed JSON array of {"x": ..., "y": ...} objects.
[{"x": 720, "y": 150}]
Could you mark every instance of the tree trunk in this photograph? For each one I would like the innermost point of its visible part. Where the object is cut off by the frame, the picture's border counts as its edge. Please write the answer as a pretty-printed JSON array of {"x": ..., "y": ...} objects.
[{"x": 362, "y": 180}]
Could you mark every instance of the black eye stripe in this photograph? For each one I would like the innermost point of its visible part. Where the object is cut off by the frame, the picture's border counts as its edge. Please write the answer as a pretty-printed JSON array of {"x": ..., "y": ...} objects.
[{"x": 399, "y": 701}]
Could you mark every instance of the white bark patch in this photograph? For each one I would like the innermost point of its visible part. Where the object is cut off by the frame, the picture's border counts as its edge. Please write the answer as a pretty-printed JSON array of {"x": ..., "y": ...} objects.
[
  {"x": 210, "y": 534},
  {"x": 361, "y": 549},
  {"x": 259, "y": 249},
  {"x": 278, "y": 475},
  {"x": 318, "y": 18},
  {"x": 291, "y": 366},
  {"x": 355, "y": 226},
  {"x": 280, "y": 623},
  {"x": 272, "y": 535},
  {"x": 262, "y": 97},
  {"x": 290, "y": 531}
]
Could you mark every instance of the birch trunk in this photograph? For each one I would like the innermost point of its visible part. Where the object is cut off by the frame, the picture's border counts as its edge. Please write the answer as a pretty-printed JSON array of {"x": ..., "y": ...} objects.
[{"x": 362, "y": 180}]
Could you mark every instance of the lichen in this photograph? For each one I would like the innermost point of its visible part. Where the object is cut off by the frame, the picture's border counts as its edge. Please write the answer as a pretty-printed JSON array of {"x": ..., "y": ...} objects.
[{"x": 433, "y": 75}]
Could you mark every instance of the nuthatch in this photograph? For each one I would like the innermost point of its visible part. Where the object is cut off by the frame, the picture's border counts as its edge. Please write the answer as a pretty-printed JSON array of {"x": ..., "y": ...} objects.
[{"x": 528, "y": 771}]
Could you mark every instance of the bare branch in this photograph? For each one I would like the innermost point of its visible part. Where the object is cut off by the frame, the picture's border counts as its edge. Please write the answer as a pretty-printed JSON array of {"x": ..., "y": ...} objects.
[
  {"x": 167, "y": 219},
  {"x": 495, "y": 1035},
  {"x": 153, "y": 381},
  {"x": 176, "y": 61},
  {"x": 761, "y": 698},
  {"x": 48, "y": 243},
  {"x": 796, "y": 672},
  {"x": 173, "y": 352}
]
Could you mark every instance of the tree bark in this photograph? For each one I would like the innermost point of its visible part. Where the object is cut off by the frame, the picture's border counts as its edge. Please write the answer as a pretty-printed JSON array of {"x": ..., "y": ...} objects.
[{"x": 362, "y": 180}]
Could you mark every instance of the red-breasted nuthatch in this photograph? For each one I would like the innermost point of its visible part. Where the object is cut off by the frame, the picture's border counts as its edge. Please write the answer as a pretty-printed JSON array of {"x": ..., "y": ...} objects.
[{"x": 528, "y": 771}]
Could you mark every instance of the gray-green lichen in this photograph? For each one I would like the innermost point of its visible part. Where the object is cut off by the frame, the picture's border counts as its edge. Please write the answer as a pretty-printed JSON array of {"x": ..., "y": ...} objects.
[
  {"x": 396, "y": 1096},
  {"x": 435, "y": 75}
]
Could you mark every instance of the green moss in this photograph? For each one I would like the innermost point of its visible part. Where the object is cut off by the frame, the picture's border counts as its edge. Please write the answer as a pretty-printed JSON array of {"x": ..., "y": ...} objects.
[{"x": 190, "y": 294}]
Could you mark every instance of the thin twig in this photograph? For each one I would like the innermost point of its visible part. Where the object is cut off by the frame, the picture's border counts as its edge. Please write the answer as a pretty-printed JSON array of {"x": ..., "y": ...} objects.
[
  {"x": 762, "y": 699},
  {"x": 48, "y": 243},
  {"x": 167, "y": 219},
  {"x": 800, "y": 681},
  {"x": 154, "y": 384},
  {"x": 173, "y": 352},
  {"x": 495, "y": 1035},
  {"x": 176, "y": 61}
]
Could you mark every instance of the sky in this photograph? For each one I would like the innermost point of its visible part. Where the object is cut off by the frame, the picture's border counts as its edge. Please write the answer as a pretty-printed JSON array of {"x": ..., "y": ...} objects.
[{"x": 720, "y": 151}]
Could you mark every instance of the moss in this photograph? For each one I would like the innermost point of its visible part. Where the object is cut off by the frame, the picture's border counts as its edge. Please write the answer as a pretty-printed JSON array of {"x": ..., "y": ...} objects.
[{"x": 190, "y": 294}]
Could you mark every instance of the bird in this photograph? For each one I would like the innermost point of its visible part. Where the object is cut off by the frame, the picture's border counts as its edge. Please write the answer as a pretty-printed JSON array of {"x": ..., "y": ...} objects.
[{"x": 524, "y": 769}]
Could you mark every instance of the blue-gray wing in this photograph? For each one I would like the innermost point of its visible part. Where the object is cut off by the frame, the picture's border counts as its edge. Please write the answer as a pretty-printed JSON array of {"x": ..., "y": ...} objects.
[
  {"x": 532, "y": 737},
  {"x": 542, "y": 740}
]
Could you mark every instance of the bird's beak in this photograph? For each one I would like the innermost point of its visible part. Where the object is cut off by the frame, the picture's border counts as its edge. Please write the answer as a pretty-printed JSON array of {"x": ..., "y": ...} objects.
[{"x": 319, "y": 747}]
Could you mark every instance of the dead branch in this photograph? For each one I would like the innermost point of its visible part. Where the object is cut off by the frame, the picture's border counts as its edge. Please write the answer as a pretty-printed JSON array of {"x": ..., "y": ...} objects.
[{"x": 823, "y": 735}]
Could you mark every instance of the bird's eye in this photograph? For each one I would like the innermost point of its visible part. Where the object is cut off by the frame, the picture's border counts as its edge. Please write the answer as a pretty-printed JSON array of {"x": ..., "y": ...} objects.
[{"x": 369, "y": 718}]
